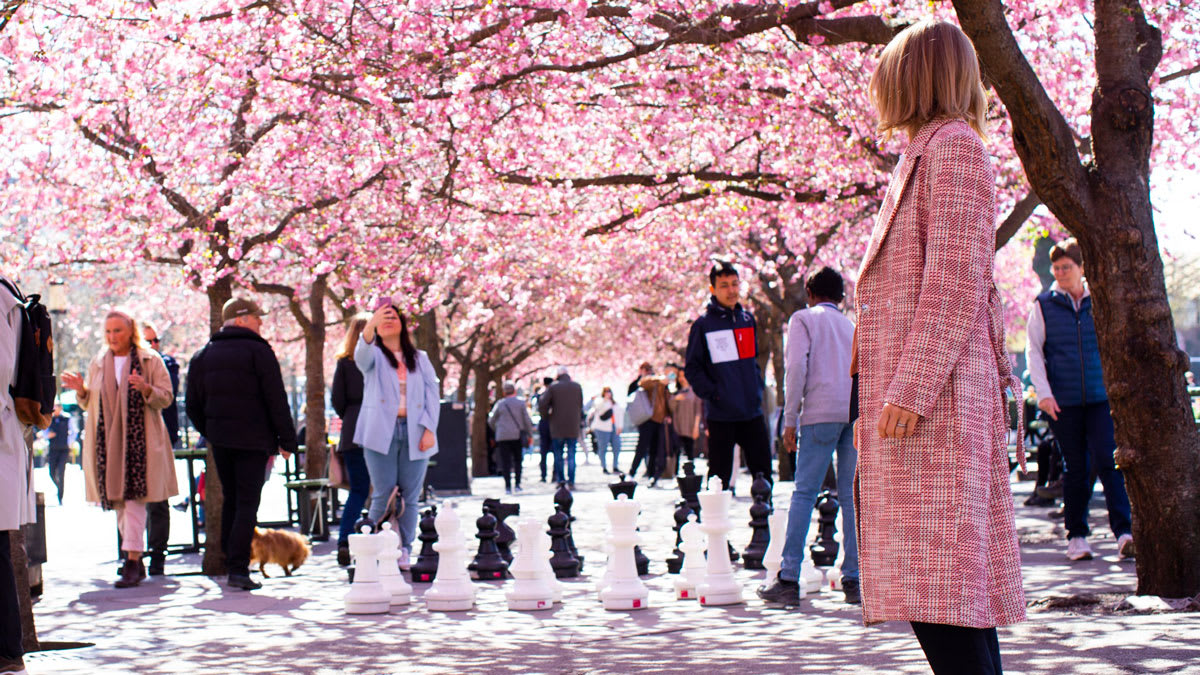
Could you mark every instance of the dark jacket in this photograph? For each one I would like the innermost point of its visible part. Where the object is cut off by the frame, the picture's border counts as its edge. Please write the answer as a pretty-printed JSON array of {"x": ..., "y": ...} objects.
[
  {"x": 721, "y": 364},
  {"x": 1071, "y": 350},
  {"x": 562, "y": 402},
  {"x": 346, "y": 397},
  {"x": 235, "y": 395},
  {"x": 171, "y": 413}
]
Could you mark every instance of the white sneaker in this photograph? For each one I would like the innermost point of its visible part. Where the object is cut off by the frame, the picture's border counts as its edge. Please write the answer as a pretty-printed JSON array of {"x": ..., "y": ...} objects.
[
  {"x": 1125, "y": 549},
  {"x": 1078, "y": 549},
  {"x": 404, "y": 563}
]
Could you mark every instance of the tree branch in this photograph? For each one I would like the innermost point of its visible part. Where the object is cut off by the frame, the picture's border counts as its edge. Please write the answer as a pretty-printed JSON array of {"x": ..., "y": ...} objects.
[{"x": 1016, "y": 218}]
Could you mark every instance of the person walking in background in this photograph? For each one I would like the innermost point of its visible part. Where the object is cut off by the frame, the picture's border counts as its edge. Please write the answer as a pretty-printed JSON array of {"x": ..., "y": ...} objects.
[
  {"x": 603, "y": 422},
  {"x": 545, "y": 441},
  {"x": 346, "y": 398},
  {"x": 687, "y": 411},
  {"x": 652, "y": 434},
  {"x": 511, "y": 421},
  {"x": 158, "y": 515},
  {"x": 127, "y": 457},
  {"x": 397, "y": 425},
  {"x": 236, "y": 400},
  {"x": 722, "y": 367},
  {"x": 1064, "y": 364},
  {"x": 58, "y": 454},
  {"x": 817, "y": 403},
  {"x": 936, "y": 534},
  {"x": 562, "y": 403}
]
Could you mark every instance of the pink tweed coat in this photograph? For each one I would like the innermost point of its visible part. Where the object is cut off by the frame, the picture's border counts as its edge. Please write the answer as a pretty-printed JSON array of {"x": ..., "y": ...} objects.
[{"x": 936, "y": 537}]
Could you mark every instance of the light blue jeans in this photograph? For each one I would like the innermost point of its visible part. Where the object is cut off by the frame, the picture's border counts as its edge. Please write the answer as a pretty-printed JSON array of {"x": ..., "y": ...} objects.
[
  {"x": 395, "y": 468},
  {"x": 559, "y": 446},
  {"x": 605, "y": 440},
  {"x": 815, "y": 445}
]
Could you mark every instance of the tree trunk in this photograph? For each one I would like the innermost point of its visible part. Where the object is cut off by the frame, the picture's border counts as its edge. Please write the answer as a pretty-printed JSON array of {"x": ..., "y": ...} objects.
[
  {"x": 315, "y": 452},
  {"x": 213, "y": 563},
  {"x": 479, "y": 445},
  {"x": 1105, "y": 204},
  {"x": 425, "y": 336},
  {"x": 20, "y": 563}
]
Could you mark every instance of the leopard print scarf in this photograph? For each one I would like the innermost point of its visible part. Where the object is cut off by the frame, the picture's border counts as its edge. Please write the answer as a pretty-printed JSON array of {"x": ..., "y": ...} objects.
[{"x": 135, "y": 443}]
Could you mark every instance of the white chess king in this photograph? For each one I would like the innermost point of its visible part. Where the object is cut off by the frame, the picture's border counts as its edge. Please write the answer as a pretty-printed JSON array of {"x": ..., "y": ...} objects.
[
  {"x": 719, "y": 587},
  {"x": 451, "y": 590},
  {"x": 625, "y": 589}
]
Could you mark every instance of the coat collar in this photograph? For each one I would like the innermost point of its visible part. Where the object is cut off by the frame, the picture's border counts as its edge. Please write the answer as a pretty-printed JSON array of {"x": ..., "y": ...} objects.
[{"x": 898, "y": 184}]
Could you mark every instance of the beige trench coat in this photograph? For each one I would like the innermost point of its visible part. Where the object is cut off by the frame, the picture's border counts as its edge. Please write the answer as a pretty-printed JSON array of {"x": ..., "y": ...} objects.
[{"x": 161, "y": 482}]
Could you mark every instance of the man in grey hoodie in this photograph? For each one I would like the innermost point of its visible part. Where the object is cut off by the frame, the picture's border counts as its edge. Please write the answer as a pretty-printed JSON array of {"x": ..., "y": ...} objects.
[{"x": 817, "y": 396}]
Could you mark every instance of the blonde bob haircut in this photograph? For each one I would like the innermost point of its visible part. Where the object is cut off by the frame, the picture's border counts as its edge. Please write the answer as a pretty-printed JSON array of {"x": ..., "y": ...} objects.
[{"x": 929, "y": 70}]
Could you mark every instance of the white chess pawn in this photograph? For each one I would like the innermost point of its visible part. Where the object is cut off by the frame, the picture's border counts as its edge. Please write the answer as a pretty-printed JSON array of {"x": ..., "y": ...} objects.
[
  {"x": 692, "y": 546},
  {"x": 625, "y": 588},
  {"x": 773, "y": 558},
  {"x": 812, "y": 580},
  {"x": 389, "y": 567},
  {"x": 719, "y": 587},
  {"x": 545, "y": 570},
  {"x": 451, "y": 590},
  {"x": 366, "y": 595},
  {"x": 530, "y": 591}
]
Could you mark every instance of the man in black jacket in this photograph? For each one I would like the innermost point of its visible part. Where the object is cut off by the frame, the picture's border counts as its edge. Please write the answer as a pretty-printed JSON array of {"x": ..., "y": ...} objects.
[
  {"x": 236, "y": 399},
  {"x": 723, "y": 371}
]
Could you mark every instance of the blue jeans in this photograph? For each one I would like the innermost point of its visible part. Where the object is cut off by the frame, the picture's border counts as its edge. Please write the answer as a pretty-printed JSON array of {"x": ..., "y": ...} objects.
[
  {"x": 360, "y": 487},
  {"x": 392, "y": 469},
  {"x": 605, "y": 440},
  {"x": 814, "y": 450},
  {"x": 1085, "y": 436},
  {"x": 559, "y": 445}
]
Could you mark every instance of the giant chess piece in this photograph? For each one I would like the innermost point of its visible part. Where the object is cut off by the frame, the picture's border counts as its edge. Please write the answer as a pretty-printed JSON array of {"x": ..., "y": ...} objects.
[
  {"x": 564, "y": 562},
  {"x": 488, "y": 564},
  {"x": 366, "y": 595},
  {"x": 425, "y": 568},
  {"x": 824, "y": 550},
  {"x": 531, "y": 591},
  {"x": 675, "y": 562},
  {"x": 563, "y": 498},
  {"x": 689, "y": 487},
  {"x": 719, "y": 586},
  {"x": 506, "y": 536},
  {"x": 452, "y": 590},
  {"x": 760, "y": 537},
  {"x": 773, "y": 558},
  {"x": 389, "y": 568},
  {"x": 628, "y": 487},
  {"x": 692, "y": 546},
  {"x": 545, "y": 570},
  {"x": 625, "y": 590}
]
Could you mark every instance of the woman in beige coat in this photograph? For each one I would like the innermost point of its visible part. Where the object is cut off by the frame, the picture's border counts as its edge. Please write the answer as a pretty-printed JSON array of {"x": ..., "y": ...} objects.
[{"x": 127, "y": 457}]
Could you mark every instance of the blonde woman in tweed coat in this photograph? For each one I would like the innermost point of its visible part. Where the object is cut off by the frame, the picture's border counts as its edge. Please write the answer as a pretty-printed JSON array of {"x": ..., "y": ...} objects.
[{"x": 937, "y": 543}]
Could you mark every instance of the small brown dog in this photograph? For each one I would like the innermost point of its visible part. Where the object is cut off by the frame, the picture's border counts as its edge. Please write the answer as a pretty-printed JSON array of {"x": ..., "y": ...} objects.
[{"x": 286, "y": 549}]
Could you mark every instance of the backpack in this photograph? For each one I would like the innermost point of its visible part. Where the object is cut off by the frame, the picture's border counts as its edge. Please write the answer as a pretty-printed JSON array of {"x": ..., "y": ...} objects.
[
  {"x": 33, "y": 388},
  {"x": 640, "y": 407}
]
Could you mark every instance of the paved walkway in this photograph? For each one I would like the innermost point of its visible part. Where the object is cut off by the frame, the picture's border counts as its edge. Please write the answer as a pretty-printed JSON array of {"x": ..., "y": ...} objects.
[{"x": 185, "y": 622}]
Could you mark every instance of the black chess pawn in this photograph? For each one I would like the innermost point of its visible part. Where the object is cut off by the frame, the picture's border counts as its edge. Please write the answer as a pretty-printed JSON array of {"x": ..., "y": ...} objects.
[
  {"x": 425, "y": 569},
  {"x": 563, "y": 562},
  {"x": 506, "y": 536},
  {"x": 564, "y": 499},
  {"x": 623, "y": 487},
  {"x": 689, "y": 487},
  {"x": 488, "y": 564},
  {"x": 824, "y": 550},
  {"x": 675, "y": 562},
  {"x": 759, "y": 526}
]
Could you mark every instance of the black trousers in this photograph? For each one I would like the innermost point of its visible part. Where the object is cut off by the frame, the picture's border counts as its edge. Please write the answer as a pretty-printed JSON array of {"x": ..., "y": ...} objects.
[
  {"x": 158, "y": 528},
  {"x": 10, "y": 609},
  {"x": 954, "y": 650},
  {"x": 650, "y": 443},
  {"x": 750, "y": 435},
  {"x": 242, "y": 474},
  {"x": 544, "y": 443},
  {"x": 510, "y": 454},
  {"x": 687, "y": 446},
  {"x": 57, "y": 460}
]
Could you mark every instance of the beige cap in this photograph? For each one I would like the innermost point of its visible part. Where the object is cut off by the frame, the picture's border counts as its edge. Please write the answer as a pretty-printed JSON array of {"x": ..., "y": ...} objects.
[{"x": 236, "y": 307}]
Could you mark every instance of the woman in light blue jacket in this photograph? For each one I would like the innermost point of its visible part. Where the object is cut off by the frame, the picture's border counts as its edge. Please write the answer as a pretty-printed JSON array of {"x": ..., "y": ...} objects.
[{"x": 397, "y": 424}]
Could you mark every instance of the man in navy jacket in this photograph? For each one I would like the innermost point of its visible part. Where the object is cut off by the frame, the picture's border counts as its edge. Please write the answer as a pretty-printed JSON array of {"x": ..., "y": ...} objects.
[{"x": 723, "y": 371}]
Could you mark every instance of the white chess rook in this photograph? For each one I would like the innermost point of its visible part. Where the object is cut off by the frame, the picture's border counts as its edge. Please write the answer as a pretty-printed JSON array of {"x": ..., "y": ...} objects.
[
  {"x": 692, "y": 545},
  {"x": 625, "y": 589},
  {"x": 451, "y": 590},
  {"x": 531, "y": 590},
  {"x": 719, "y": 587},
  {"x": 389, "y": 567},
  {"x": 366, "y": 595},
  {"x": 773, "y": 558}
]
